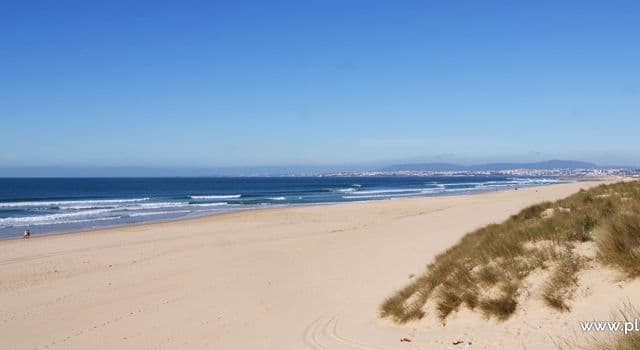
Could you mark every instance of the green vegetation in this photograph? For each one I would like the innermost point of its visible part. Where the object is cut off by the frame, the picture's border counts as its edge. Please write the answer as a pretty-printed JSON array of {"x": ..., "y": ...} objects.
[{"x": 485, "y": 270}]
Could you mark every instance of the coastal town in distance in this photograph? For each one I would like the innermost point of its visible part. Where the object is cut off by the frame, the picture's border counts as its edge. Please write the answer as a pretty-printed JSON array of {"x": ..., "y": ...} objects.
[{"x": 557, "y": 169}]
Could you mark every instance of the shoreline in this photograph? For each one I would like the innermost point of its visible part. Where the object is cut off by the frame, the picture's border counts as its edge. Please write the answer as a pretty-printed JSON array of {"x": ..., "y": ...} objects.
[
  {"x": 309, "y": 277},
  {"x": 282, "y": 206}
]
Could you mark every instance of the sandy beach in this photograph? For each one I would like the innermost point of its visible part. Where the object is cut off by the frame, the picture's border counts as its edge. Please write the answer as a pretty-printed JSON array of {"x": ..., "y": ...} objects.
[{"x": 289, "y": 278}]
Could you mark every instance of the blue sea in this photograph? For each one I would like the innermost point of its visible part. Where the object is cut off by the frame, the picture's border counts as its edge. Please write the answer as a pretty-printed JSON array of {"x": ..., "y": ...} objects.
[{"x": 70, "y": 204}]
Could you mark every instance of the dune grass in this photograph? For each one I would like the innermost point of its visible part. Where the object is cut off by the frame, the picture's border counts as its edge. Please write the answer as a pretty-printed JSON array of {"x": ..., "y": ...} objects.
[
  {"x": 485, "y": 270},
  {"x": 560, "y": 287},
  {"x": 619, "y": 244}
]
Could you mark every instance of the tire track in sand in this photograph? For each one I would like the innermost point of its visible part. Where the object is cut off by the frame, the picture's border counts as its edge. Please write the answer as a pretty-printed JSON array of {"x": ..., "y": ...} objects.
[{"x": 321, "y": 334}]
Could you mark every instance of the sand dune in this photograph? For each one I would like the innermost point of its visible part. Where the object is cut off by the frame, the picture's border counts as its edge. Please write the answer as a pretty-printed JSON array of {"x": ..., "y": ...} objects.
[{"x": 290, "y": 278}]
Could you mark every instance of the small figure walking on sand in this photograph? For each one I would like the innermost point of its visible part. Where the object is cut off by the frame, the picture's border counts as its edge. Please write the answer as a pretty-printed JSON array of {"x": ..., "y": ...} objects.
[{"x": 26, "y": 234}]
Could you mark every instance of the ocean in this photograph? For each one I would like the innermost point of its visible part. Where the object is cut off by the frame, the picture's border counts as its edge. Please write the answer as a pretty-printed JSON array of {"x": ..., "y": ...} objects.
[{"x": 53, "y": 205}]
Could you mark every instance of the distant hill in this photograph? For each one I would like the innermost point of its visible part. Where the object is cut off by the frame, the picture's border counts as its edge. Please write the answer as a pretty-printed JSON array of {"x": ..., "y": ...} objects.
[
  {"x": 426, "y": 167},
  {"x": 551, "y": 164}
]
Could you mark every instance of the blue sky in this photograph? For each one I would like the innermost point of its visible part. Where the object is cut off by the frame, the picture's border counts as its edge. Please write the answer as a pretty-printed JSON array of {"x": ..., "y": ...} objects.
[{"x": 235, "y": 83}]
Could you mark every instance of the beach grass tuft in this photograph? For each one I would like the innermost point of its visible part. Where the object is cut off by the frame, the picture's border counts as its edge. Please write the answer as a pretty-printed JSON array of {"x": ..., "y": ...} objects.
[
  {"x": 484, "y": 271},
  {"x": 619, "y": 242},
  {"x": 563, "y": 282}
]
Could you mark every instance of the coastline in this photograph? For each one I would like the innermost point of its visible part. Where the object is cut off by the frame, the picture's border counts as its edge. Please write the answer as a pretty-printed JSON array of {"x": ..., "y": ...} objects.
[
  {"x": 282, "y": 206},
  {"x": 303, "y": 277}
]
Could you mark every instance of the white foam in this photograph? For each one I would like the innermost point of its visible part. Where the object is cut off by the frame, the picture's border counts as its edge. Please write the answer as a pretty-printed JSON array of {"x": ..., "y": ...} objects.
[
  {"x": 150, "y": 213},
  {"x": 220, "y": 196},
  {"x": 94, "y": 202},
  {"x": 385, "y": 195},
  {"x": 277, "y": 198},
  {"x": 209, "y": 204},
  {"x": 466, "y": 189},
  {"x": 126, "y": 206},
  {"x": 399, "y": 190},
  {"x": 157, "y": 205},
  {"x": 80, "y": 207},
  {"x": 455, "y": 184},
  {"x": 74, "y": 221},
  {"x": 32, "y": 220},
  {"x": 350, "y": 189}
]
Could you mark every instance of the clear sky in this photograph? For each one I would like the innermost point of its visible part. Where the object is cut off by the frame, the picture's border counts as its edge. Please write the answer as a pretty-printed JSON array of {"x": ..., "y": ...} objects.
[{"x": 235, "y": 83}]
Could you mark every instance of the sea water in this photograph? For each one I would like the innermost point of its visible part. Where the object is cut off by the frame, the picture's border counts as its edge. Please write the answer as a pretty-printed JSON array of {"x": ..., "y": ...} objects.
[{"x": 69, "y": 204}]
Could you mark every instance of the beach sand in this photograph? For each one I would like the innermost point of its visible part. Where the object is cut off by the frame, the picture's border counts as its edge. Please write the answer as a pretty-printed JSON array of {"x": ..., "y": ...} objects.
[{"x": 308, "y": 277}]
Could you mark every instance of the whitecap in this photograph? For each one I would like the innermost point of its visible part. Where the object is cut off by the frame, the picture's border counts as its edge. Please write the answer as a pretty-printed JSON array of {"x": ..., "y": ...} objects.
[
  {"x": 156, "y": 205},
  {"x": 400, "y": 190},
  {"x": 385, "y": 195},
  {"x": 350, "y": 189},
  {"x": 94, "y": 202},
  {"x": 220, "y": 196},
  {"x": 217, "y": 204},
  {"x": 150, "y": 213},
  {"x": 32, "y": 220},
  {"x": 78, "y": 221}
]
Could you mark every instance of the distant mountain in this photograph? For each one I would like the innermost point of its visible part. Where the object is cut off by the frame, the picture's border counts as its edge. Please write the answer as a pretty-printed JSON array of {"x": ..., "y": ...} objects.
[
  {"x": 551, "y": 164},
  {"x": 426, "y": 167}
]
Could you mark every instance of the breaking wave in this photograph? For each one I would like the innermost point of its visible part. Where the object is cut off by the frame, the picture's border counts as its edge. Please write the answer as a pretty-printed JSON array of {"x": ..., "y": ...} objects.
[
  {"x": 92, "y": 202},
  {"x": 217, "y": 196}
]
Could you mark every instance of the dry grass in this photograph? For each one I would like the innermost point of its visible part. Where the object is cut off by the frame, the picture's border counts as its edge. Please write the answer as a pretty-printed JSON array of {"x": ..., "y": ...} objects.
[
  {"x": 619, "y": 243},
  {"x": 485, "y": 269},
  {"x": 563, "y": 282}
]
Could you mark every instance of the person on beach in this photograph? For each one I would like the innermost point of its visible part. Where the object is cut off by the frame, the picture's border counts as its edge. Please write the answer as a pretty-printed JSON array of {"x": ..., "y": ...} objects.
[{"x": 27, "y": 234}]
